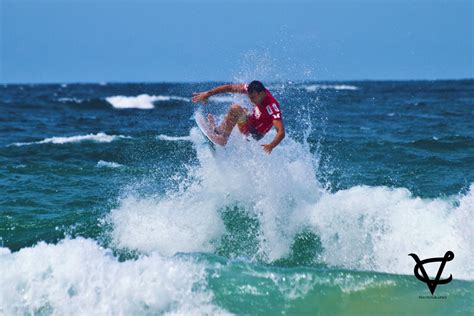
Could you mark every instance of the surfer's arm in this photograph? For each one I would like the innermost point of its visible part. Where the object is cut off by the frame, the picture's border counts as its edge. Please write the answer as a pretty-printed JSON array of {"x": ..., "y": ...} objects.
[
  {"x": 226, "y": 88},
  {"x": 278, "y": 124}
]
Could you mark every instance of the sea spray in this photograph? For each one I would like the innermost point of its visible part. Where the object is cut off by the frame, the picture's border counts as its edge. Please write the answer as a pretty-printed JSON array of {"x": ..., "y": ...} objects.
[
  {"x": 80, "y": 277},
  {"x": 356, "y": 227},
  {"x": 273, "y": 188}
]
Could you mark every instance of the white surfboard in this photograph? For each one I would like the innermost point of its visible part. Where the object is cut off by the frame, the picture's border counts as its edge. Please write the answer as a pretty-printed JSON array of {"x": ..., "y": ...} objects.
[{"x": 203, "y": 125}]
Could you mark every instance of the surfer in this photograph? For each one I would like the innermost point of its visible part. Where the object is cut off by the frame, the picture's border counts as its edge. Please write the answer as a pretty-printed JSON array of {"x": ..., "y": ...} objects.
[{"x": 265, "y": 114}]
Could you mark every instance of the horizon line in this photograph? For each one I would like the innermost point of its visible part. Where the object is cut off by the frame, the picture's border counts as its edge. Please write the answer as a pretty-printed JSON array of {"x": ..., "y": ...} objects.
[{"x": 222, "y": 81}]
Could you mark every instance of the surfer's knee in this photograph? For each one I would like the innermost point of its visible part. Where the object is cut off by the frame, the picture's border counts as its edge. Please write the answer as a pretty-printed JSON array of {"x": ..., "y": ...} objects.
[{"x": 236, "y": 110}]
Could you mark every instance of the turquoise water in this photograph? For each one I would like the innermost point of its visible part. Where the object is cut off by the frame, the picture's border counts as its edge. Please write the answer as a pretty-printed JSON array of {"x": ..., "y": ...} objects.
[{"x": 112, "y": 202}]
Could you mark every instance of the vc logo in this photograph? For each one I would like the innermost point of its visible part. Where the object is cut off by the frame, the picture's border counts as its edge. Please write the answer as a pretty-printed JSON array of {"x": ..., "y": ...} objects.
[{"x": 448, "y": 256}]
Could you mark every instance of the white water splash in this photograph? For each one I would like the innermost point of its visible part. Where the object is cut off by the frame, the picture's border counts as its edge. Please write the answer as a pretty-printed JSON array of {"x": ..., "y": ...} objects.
[
  {"x": 143, "y": 101},
  {"x": 108, "y": 164},
  {"x": 173, "y": 138},
  {"x": 361, "y": 228},
  {"x": 189, "y": 220},
  {"x": 99, "y": 138},
  {"x": 78, "y": 277},
  {"x": 375, "y": 228},
  {"x": 316, "y": 87}
]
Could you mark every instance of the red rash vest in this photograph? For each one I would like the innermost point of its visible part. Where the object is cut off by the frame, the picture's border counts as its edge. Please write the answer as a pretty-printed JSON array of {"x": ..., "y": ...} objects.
[{"x": 262, "y": 117}]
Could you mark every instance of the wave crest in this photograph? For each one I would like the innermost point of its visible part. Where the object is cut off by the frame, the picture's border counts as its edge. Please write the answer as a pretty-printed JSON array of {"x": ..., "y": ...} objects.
[
  {"x": 108, "y": 164},
  {"x": 143, "y": 101},
  {"x": 99, "y": 137},
  {"x": 316, "y": 87},
  {"x": 362, "y": 228},
  {"x": 173, "y": 138},
  {"x": 79, "y": 277}
]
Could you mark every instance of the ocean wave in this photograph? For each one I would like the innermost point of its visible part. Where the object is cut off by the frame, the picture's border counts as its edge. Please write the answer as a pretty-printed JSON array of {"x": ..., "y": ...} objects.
[
  {"x": 167, "y": 226},
  {"x": 324, "y": 291},
  {"x": 79, "y": 277},
  {"x": 375, "y": 228},
  {"x": 171, "y": 220},
  {"x": 143, "y": 101},
  {"x": 444, "y": 143},
  {"x": 173, "y": 138},
  {"x": 71, "y": 100},
  {"x": 107, "y": 164},
  {"x": 316, "y": 87},
  {"x": 99, "y": 137},
  {"x": 360, "y": 228}
]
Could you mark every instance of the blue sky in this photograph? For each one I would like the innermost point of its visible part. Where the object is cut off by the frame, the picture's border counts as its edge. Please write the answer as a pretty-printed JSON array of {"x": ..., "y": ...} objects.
[{"x": 155, "y": 41}]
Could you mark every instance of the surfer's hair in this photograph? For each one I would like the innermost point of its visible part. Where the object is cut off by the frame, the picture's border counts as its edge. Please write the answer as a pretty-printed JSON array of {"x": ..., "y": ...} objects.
[{"x": 255, "y": 86}]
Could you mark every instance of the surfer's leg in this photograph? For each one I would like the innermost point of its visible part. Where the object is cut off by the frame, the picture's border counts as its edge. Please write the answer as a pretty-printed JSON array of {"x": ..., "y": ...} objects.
[
  {"x": 235, "y": 112},
  {"x": 212, "y": 121},
  {"x": 221, "y": 133}
]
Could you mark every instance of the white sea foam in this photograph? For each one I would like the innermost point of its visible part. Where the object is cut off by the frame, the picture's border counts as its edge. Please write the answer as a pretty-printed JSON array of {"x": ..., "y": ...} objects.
[
  {"x": 108, "y": 164},
  {"x": 173, "y": 138},
  {"x": 190, "y": 220},
  {"x": 143, "y": 101},
  {"x": 78, "y": 277},
  {"x": 375, "y": 228},
  {"x": 316, "y": 87},
  {"x": 99, "y": 137},
  {"x": 67, "y": 100},
  {"x": 365, "y": 228}
]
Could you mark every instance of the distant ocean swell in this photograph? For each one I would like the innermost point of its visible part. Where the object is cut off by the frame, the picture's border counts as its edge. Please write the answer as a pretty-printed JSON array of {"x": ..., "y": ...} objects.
[
  {"x": 99, "y": 137},
  {"x": 142, "y": 102}
]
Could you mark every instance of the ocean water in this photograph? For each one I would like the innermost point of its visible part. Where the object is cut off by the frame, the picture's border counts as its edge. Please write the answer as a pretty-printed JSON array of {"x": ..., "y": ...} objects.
[{"x": 112, "y": 202}]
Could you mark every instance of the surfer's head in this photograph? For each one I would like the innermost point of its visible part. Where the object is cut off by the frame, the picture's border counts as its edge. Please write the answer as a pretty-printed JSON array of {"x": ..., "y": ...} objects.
[{"x": 256, "y": 92}]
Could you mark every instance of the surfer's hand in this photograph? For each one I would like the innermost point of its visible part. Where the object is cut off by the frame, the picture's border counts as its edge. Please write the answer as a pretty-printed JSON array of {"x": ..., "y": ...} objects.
[
  {"x": 200, "y": 97},
  {"x": 267, "y": 148}
]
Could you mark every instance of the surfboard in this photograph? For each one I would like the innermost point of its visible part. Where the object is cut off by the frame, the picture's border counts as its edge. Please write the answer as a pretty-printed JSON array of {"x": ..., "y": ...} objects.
[{"x": 203, "y": 125}]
